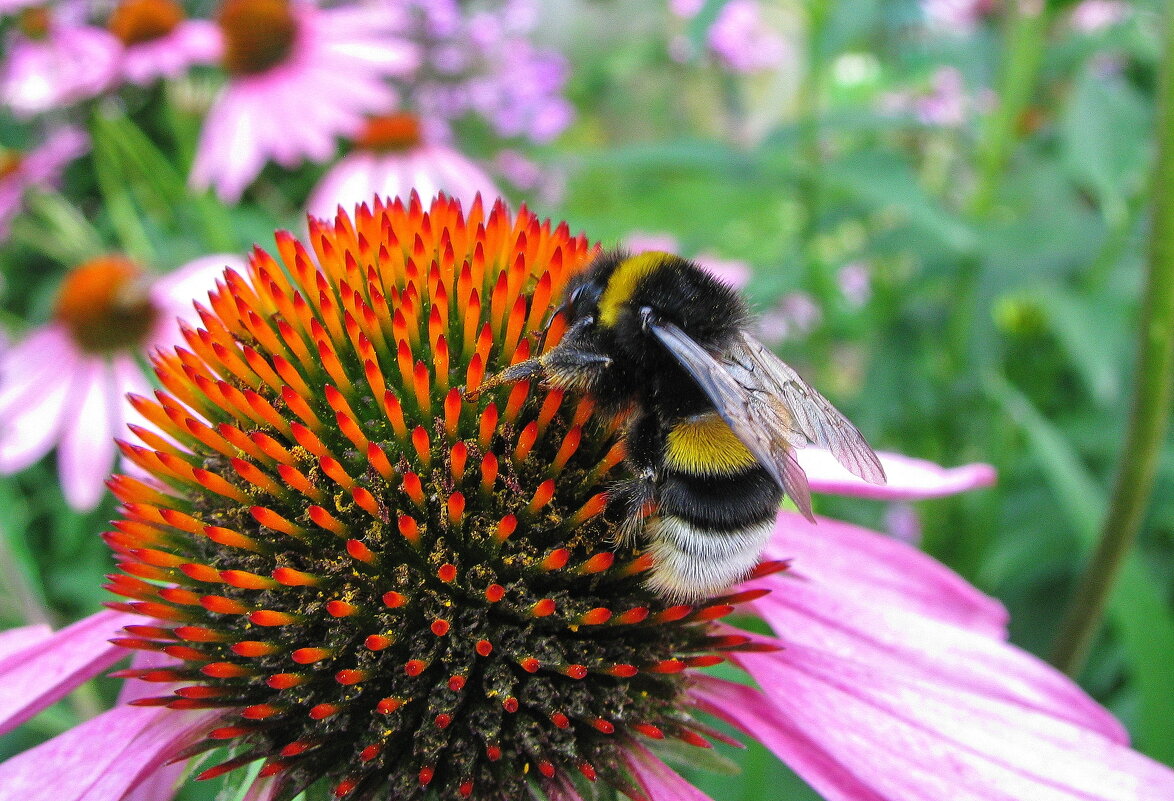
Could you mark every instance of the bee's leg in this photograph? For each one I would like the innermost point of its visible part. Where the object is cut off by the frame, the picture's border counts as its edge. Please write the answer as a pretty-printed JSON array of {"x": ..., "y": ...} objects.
[
  {"x": 518, "y": 372},
  {"x": 635, "y": 500}
]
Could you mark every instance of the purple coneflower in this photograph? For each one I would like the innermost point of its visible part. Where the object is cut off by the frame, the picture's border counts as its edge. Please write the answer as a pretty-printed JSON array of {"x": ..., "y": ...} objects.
[
  {"x": 277, "y": 54},
  {"x": 346, "y": 573},
  {"x": 39, "y": 168},
  {"x": 391, "y": 158},
  {"x": 159, "y": 41},
  {"x": 54, "y": 57},
  {"x": 63, "y": 385}
]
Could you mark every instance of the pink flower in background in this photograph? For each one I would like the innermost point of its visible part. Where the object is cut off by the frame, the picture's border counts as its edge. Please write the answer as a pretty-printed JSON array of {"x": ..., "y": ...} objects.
[
  {"x": 743, "y": 41},
  {"x": 391, "y": 159},
  {"x": 63, "y": 386},
  {"x": 158, "y": 42},
  {"x": 39, "y": 168},
  {"x": 792, "y": 317},
  {"x": 1092, "y": 16},
  {"x": 733, "y": 272},
  {"x": 956, "y": 16},
  {"x": 889, "y": 679},
  {"x": 483, "y": 62},
  {"x": 55, "y": 58},
  {"x": 280, "y": 56}
]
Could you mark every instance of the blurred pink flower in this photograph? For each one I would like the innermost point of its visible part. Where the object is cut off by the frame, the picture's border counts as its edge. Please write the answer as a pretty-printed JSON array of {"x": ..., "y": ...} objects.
[
  {"x": 40, "y": 167},
  {"x": 889, "y": 680},
  {"x": 792, "y": 317},
  {"x": 299, "y": 76},
  {"x": 482, "y": 61},
  {"x": 956, "y": 17},
  {"x": 1091, "y": 16},
  {"x": 733, "y": 272},
  {"x": 64, "y": 385},
  {"x": 55, "y": 58},
  {"x": 741, "y": 39},
  {"x": 392, "y": 159},
  {"x": 855, "y": 283},
  {"x": 158, "y": 42}
]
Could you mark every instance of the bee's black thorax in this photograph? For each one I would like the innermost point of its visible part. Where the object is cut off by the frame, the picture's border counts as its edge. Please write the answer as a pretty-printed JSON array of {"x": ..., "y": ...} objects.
[{"x": 614, "y": 290}]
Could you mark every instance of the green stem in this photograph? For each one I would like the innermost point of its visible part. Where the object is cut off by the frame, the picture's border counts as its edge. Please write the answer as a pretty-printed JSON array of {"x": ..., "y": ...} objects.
[
  {"x": 1027, "y": 29},
  {"x": 1153, "y": 391}
]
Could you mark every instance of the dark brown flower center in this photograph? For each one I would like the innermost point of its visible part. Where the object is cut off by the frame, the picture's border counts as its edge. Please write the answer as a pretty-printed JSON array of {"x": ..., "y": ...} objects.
[
  {"x": 35, "y": 22},
  {"x": 258, "y": 34},
  {"x": 138, "y": 21},
  {"x": 10, "y": 162},
  {"x": 390, "y": 133},
  {"x": 105, "y": 306}
]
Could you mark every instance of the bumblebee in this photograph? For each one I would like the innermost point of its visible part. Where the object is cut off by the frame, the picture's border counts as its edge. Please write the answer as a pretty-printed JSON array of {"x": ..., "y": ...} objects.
[{"x": 715, "y": 421}]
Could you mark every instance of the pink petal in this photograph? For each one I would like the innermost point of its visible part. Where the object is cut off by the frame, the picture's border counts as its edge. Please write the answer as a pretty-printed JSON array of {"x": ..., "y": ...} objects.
[
  {"x": 175, "y": 292},
  {"x": 872, "y": 733},
  {"x": 660, "y": 781},
  {"x": 48, "y": 669},
  {"x": 22, "y": 638},
  {"x": 104, "y": 758},
  {"x": 892, "y": 640},
  {"x": 909, "y": 479},
  {"x": 85, "y": 456},
  {"x": 848, "y": 561}
]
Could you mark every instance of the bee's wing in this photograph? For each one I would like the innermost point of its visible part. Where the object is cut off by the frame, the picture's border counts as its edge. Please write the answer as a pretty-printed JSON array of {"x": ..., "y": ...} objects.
[
  {"x": 812, "y": 415},
  {"x": 758, "y": 420}
]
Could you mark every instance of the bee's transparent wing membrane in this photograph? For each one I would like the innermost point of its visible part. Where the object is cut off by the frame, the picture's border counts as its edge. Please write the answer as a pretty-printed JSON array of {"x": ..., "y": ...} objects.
[
  {"x": 812, "y": 415},
  {"x": 761, "y": 425},
  {"x": 771, "y": 410}
]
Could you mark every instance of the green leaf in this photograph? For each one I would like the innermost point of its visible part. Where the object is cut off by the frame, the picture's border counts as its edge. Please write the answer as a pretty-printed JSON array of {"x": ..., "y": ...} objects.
[
  {"x": 1105, "y": 138},
  {"x": 1138, "y": 614}
]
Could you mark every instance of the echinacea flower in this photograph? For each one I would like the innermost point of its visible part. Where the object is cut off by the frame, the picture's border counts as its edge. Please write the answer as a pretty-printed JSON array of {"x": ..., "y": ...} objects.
[
  {"x": 345, "y": 570},
  {"x": 391, "y": 159},
  {"x": 63, "y": 385},
  {"x": 39, "y": 168},
  {"x": 280, "y": 55},
  {"x": 55, "y": 58},
  {"x": 159, "y": 42}
]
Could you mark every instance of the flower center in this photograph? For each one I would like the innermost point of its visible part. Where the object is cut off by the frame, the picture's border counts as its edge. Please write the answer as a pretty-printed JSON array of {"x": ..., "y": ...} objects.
[
  {"x": 105, "y": 306},
  {"x": 10, "y": 162},
  {"x": 35, "y": 22},
  {"x": 258, "y": 34},
  {"x": 138, "y": 21},
  {"x": 389, "y": 587},
  {"x": 390, "y": 133}
]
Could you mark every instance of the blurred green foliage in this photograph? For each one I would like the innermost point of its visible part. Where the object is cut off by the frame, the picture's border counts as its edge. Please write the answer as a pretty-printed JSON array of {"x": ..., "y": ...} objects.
[{"x": 1003, "y": 251}]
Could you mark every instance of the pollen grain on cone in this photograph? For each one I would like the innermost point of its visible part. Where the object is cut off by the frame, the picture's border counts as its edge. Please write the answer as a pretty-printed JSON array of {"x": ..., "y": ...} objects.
[{"x": 386, "y": 586}]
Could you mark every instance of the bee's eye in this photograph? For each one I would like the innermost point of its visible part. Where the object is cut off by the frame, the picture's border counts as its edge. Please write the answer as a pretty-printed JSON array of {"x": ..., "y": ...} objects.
[{"x": 576, "y": 294}]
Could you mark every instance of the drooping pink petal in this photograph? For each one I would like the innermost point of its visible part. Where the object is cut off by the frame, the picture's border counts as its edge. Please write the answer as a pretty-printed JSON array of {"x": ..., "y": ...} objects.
[
  {"x": 899, "y": 641},
  {"x": 48, "y": 669},
  {"x": 85, "y": 456},
  {"x": 104, "y": 758},
  {"x": 160, "y": 784},
  {"x": 661, "y": 782},
  {"x": 34, "y": 417},
  {"x": 909, "y": 479},
  {"x": 871, "y": 733},
  {"x": 23, "y": 638},
  {"x": 841, "y": 559}
]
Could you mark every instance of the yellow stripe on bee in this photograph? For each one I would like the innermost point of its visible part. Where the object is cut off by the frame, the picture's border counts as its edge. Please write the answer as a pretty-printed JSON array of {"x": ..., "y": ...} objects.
[
  {"x": 705, "y": 445},
  {"x": 623, "y": 282}
]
